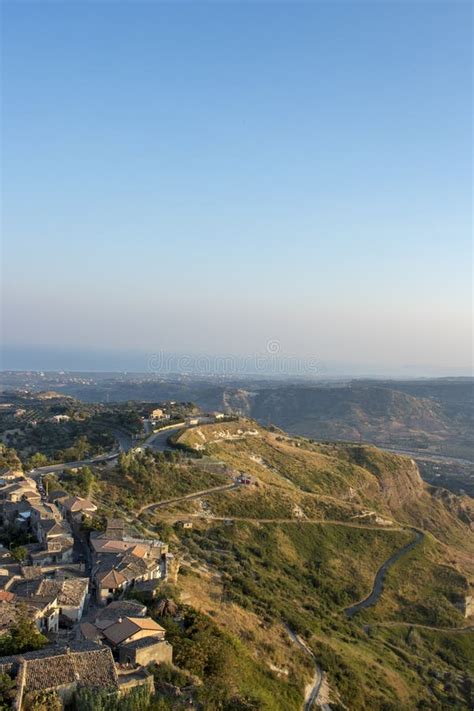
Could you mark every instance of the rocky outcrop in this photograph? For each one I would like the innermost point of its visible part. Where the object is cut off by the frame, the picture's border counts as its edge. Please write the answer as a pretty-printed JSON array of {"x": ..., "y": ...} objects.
[{"x": 398, "y": 478}]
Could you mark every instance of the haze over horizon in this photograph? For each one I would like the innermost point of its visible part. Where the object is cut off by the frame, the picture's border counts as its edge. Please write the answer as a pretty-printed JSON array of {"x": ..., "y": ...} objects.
[{"x": 212, "y": 178}]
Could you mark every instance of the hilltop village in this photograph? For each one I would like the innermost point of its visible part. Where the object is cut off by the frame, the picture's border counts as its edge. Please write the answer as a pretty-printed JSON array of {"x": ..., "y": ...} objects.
[
  {"x": 73, "y": 587},
  {"x": 65, "y": 602}
]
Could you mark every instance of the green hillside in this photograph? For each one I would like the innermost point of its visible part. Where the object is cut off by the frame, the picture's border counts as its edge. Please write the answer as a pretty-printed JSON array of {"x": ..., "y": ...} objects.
[{"x": 304, "y": 541}]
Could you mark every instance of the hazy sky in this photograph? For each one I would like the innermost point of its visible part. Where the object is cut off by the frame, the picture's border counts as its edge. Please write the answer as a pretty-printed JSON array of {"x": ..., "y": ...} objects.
[{"x": 211, "y": 176}]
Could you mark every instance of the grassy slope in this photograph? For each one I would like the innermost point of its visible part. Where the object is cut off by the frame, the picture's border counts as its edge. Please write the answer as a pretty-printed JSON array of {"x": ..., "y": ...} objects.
[
  {"x": 303, "y": 573},
  {"x": 252, "y": 577}
]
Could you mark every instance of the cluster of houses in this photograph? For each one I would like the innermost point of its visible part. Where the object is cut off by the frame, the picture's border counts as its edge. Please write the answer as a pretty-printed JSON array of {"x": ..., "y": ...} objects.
[
  {"x": 73, "y": 587},
  {"x": 121, "y": 561},
  {"x": 206, "y": 419},
  {"x": 159, "y": 415}
]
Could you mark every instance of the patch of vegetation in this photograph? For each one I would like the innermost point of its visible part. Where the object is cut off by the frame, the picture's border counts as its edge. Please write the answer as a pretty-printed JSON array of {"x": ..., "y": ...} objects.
[
  {"x": 79, "y": 482},
  {"x": 9, "y": 458},
  {"x": 63, "y": 441},
  {"x": 7, "y": 691},
  {"x": 145, "y": 477},
  {"x": 228, "y": 676},
  {"x": 13, "y": 537},
  {"x": 23, "y": 637},
  {"x": 43, "y": 701},
  {"x": 139, "y": 699}
]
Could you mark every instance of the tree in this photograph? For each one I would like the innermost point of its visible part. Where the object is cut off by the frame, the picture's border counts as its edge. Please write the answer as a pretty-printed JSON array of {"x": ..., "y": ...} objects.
[
  {"x": 37, "y": 460},
  {"x": 166, "y": 606},
  {"x": 19, "y": 553},
  {"x": 23, "y": 637},
  {"x": 43, "y": 701},
  {"x": 94, "y": 523},
  {"x": 50, "y": 483},
  {"x": 85, "y": 480},
  {"x": 87, "y": 699},
  {"x": 7, "y": 691}
]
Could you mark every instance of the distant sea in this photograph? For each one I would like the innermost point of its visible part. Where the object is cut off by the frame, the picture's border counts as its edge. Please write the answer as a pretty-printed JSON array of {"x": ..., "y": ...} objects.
[
  {"x": 39, "y": 358},
  {"x": 72, "y": 359}
]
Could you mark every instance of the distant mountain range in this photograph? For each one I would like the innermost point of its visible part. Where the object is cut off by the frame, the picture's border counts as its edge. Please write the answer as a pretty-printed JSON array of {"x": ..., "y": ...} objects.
[
  {"x": 436, "y": 417},
  {"x": 432, "y": 415}
]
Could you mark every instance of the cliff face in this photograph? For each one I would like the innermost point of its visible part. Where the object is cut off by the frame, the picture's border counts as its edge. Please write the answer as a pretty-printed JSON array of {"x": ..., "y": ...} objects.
[
  {"x": 400, "y": 490},
  {"x": 398, "y": 478},
  {"x": 460, "y": 506},
  {"x": 348, "y": 411}
]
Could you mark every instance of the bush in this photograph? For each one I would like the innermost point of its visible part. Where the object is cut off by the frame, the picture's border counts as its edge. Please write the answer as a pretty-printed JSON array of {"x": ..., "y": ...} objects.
[{"x": 23, "y": 637}]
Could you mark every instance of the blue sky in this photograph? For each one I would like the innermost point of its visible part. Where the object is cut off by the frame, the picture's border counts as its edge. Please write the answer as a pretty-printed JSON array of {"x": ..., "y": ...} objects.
[{"x": 205, "y": 177}]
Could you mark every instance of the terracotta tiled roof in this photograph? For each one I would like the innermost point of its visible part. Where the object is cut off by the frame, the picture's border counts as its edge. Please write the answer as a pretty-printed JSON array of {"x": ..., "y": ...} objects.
[
  {"x": 5, "y": 595},
  {"x": 30, "y": 572},
  {"x": 132, "y": 567},
  {"x": 102, "y": 545},
  {"x": 117, "y": 609},
  {"x": 53, "y": 528},
  {"x": 90, "y": 631},
  {"x": 146, "y": 623},
  {"x": 76, "y": 503},
  {"x": 69, "y": 592},
  {"x": 111, "y": 579},
  {"x": 145, "y": 642},
  {"x": 115, "y": 528},
  {"x": 73, "y": 591},
  {"x": 113, "y": 571},
  {"x": 139, "y": 550},
  {"x": 89, "y": 665},
  {"x": 129, "y": 626}
]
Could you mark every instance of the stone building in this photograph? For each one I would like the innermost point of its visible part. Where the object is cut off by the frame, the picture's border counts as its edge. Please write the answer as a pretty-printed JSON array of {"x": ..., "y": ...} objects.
[{"x": 146, "y": 650}]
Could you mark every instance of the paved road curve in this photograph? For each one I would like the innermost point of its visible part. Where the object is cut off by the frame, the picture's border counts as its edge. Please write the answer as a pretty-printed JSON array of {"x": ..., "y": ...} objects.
[
  {"x": 312, "y": 696},
  {"x": 74, "y": 465},
  {"x": 158, "y": 441},
  {"x": 380, "y": 576}
]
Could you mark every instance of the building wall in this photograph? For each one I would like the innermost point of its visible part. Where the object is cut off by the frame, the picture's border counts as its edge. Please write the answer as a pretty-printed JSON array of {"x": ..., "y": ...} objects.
[
  {"x": 73, "y": 613},
  {"x": 161, "y": 652},
  {"x": 104, "y": 596}
]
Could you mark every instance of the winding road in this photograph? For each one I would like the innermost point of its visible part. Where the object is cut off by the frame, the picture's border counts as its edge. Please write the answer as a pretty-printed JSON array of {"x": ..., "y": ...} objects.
[
  {"x": 377, "y": 588},
  {"x": 39, "y": 471},
  {"x": 313, "y": 693},
  {"x": 186, "y": 497},
  {"x": 158, "y": 441}
]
